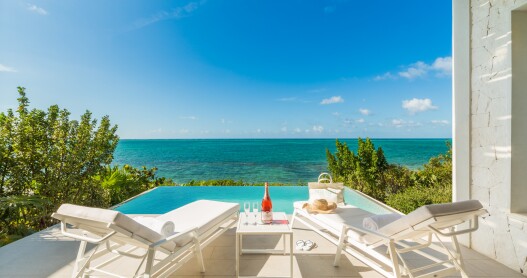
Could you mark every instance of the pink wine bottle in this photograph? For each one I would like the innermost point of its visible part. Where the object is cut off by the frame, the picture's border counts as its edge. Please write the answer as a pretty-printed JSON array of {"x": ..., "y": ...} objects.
[{"x": 267, "y": 206}]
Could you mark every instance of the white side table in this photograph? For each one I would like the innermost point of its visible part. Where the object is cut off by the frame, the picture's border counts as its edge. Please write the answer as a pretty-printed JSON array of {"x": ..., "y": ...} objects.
[{"x": 280, "y": 226}]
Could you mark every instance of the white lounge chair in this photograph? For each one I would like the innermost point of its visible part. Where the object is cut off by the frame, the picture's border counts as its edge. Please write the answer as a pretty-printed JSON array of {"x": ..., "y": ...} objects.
[
  {"x": 117, "y": 236},
  {"x": 344, "y": 228}
]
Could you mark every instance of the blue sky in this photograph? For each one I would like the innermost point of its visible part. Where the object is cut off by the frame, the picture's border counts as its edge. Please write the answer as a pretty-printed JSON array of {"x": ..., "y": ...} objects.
[{"x": 235, "y": 69}]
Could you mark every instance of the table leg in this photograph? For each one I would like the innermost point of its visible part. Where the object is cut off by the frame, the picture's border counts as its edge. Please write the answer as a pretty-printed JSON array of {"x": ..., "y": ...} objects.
[
  {"x": 291, "y": 253},
  {"x": 283, "y": 239},
  {"x": 237, "y": 255}
]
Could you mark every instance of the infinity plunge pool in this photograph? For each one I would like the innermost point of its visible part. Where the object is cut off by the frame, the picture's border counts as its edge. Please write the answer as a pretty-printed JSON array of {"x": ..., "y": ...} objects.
[{"x": 166, "y": 198}]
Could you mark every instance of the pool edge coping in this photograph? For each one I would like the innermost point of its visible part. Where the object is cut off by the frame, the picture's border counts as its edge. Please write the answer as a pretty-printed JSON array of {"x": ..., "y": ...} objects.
[{"x": 131, "y": 198}]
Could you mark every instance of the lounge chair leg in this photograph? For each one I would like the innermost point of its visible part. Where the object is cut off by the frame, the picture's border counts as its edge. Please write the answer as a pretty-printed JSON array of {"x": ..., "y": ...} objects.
[
  {"x": 149, "y": 262},
  {"x": 395, "y": 261},
  {"x": 80, "y": 272},
  {"x": 340, "y": 246},
  {"x": 80, "y": 256},
  {"x": 452, "y": 257},
  {"x": 459, "y": 257},
  {"x": 199, "y": 254},
  {"x": 457, "y": 250},
  {"x": 293, "y": 219}
]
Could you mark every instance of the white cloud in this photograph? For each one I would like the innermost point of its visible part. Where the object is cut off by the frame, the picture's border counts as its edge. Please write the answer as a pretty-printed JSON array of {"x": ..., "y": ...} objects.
[
  {"x": 284, "y": 129},
  {"x": 36, "y": 9},
  {"x": 4, "y": 68},
  {"x": 385, "y": 76},
  {"x": 184, "y": 131},
  {"x": 297, "y": 130},
  {"x": 364, "y": 111},
  {"x": 402, "y": 123},
  {"x": 258, "y": 131},
  {"x": 418, "y": 69},
  {"x": 331, "y": 100},
  {"x": 418, "y": 105},
  {"x": 192, "y": 118},
  {"x": 360, "y": 121},
  {"x": 176, "y": 13},
  {"x": 398, "y": 122},
  {"x": 440, "y": 122},
  {"x": 336, "y": 114},
  {"x": 443, "y": 65},
  {"x": 318, "y": 128}
]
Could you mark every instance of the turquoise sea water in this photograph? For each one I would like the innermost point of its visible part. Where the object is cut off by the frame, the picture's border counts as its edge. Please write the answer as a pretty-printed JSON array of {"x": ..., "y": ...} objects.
[
  {"x": 259, "y": 160},
  {"x": 166, "y": 198}
]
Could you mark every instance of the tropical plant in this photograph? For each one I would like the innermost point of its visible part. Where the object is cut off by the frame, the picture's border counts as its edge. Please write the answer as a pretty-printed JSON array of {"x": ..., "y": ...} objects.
[
  {"x": 364, "y": 171},
  {"x": 122, "y": 183},
  {"x": 402, "y": 188},
  {"x": 416, "y": 196},
  {"x": 46, "y": 160}
]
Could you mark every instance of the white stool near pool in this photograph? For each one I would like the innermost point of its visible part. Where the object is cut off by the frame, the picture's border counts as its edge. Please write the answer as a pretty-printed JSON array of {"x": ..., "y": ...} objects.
[{"x": 280, "y": 226}]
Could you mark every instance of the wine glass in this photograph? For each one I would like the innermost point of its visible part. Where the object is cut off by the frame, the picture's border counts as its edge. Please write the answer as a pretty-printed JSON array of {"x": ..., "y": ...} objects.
[
  {"x": 255, "y": 211},
  {"x": 247, "y": 209}
]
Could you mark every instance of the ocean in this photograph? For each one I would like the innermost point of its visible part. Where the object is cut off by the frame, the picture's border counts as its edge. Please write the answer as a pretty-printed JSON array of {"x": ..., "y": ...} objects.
[{"x": 259, "y": 160}]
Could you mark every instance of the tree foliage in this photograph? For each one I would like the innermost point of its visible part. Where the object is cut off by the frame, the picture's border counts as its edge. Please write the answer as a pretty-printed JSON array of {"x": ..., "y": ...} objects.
[
  {"x": 120, "y": 184},
  {"x": 47, "y": 154},
  {"x": 364, "y": 171},
  {"x": 368, "y": 171},
  {"x": 46, "y": 160}
]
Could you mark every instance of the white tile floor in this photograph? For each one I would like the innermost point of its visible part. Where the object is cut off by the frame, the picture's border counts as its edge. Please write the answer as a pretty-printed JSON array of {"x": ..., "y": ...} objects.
[{"x": 49, "y": 254}]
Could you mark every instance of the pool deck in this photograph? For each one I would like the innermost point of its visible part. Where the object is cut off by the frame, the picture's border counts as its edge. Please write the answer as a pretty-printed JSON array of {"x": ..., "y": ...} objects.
[{"x": 49, "y": 254}]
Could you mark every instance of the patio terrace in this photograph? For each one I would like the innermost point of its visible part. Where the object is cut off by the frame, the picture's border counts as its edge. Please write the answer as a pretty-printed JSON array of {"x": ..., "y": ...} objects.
[{"x": 49, "y": 254}]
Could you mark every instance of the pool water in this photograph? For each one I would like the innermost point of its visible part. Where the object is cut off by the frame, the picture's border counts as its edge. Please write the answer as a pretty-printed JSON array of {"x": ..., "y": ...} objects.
[{"x": 166, "y": 198}]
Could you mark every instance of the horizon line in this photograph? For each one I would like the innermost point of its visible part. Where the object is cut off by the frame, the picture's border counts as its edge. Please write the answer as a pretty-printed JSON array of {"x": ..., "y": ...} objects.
[{"x": 288, "y": 138}]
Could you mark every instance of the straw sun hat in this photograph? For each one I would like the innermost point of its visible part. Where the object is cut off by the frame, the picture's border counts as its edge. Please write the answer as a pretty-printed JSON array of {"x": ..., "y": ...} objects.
[{"x": 320, "y": 206}]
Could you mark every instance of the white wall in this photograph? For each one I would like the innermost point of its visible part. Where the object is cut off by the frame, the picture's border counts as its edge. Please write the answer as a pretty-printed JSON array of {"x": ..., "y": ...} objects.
[{"x": 493, "y": 151}]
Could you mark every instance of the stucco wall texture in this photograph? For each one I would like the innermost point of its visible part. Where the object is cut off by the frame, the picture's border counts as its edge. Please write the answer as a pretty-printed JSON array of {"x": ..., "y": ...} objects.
[{"x": 501, "y": 235}]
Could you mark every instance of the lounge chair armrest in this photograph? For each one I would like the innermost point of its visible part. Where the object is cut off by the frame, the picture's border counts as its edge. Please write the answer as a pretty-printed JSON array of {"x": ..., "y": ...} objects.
[
  {"x": 65, "y": 232},
  {"x": 365, "y": 231},
  {"x": 177, "y": 236},
  {"x": 473, "y": 227}
]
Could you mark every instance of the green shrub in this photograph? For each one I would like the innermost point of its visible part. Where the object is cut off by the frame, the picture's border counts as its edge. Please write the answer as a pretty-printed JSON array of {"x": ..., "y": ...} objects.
[
  {"x": 123, "y": 183},
  {"x": 46, "y": 160},
  {"x": 399, "y": 187},
  {"x": 364, "y": 171},
  {"x": 417, "y": 196}
]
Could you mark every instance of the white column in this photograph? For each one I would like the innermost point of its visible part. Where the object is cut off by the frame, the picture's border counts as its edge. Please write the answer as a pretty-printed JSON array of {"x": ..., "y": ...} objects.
[
  {"x": 461, "y": 75},
  {"x": 461, "y": 99}
]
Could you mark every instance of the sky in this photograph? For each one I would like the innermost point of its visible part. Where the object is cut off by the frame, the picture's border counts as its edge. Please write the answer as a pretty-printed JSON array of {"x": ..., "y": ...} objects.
[{"x": 237, "y": 68}]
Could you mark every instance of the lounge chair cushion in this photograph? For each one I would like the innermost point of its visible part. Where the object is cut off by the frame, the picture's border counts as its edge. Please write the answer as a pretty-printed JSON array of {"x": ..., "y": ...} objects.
[
  {"x": 425, "y": 213},
  {"x": 343, "y": 215},
  {"x": 201, "y": 214},
  {"x": 97, "y": 218},
  {"x": 352, "y": 216}
]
